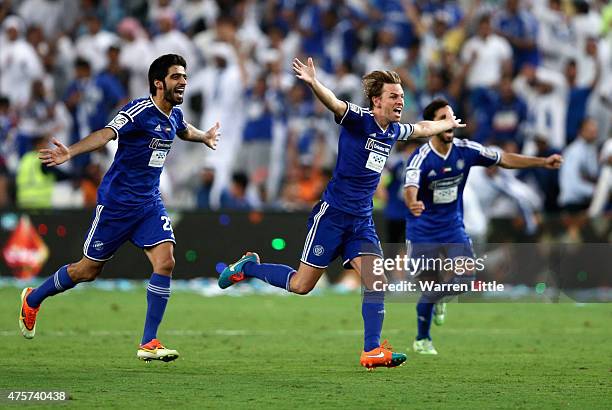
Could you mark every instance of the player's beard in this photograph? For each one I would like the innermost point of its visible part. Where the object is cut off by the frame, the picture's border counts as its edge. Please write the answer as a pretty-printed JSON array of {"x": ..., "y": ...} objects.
[
  {"x": 446, "y": 137},
  {"x": 169, "y": 96}
]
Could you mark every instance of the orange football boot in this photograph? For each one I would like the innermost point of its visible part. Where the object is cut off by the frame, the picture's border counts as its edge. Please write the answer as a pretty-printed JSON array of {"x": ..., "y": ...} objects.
[
  {"x": 382, "y": 356},
  {"x": 27, "y": 315}
]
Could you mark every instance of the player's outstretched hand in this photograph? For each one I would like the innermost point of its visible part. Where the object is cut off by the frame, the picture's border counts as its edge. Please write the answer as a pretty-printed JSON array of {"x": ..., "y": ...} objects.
[
  {"x": 416, "y": 208},
  {"x": 54, "y": 156},
  {"x": 211, "y": 139},
  {"x": 554, "y": 161},
  {"x": 306, "y": 73},
  {"x": 455, "y": 122}
]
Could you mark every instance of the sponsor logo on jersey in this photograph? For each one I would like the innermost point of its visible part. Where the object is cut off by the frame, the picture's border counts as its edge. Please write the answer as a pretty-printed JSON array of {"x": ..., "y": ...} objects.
[
  {"x": 489, "y": 153},
  {"x": 119, "y": 121},
  {"x": 158, "y": 128},
  {"x": 446, "y": 182},
  {"x": 157, "y": 143},
  {"x": 378, "y": 147},
  {"x": 432, "y": 174}
]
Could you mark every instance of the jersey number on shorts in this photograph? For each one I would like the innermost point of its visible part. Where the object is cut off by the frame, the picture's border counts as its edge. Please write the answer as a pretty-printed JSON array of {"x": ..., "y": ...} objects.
[{"x": 167, "y": 226}]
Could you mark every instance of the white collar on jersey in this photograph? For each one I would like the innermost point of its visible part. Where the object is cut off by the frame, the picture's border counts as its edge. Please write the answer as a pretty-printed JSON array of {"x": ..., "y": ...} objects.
[
  {"x": 444, "y": 157},
  {"x": 159, "y": 109}
]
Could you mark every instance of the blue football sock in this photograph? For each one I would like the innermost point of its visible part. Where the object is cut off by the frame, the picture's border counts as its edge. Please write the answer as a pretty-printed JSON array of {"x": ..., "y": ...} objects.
[
  {"x": 373, "y": 313},
  {"x": 158, "y": 293},
  {"x": 424, "y": 314},
  {"x": 275, "y": 275},
  {"x": 53, "y": 285}
]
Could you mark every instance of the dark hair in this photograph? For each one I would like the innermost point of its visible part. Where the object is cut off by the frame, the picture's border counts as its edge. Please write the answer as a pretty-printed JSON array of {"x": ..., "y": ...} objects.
[
  {"x": 429, "y": 112},
  {"x": 81, "y": 62},
  {"x": 241, "y": 179},
  {"x": 159, "y": 68},
  {"x": 373, "y": 83}
]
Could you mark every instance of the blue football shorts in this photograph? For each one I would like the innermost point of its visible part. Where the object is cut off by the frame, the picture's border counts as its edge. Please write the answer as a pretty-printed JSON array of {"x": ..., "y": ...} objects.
[
  {"x": 144, "y": 226},
  {"x": 333, "y": 233}
]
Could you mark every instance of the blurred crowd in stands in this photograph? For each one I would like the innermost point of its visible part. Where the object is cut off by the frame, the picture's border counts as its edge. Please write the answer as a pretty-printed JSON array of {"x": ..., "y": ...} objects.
[{"x": 530, "y": 76}]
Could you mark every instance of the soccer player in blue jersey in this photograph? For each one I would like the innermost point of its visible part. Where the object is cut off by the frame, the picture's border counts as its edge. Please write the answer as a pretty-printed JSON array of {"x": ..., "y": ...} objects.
[
  {"x": 435, "y": 177},
  {"x": 341, "y": 223},
  {"x": 129, "y": 201}
]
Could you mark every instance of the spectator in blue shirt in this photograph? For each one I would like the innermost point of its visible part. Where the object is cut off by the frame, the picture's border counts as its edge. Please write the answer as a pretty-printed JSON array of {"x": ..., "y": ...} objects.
[
  {"x": 508, "y": 112},
  {"x": 520, "y": 28},
  {"x": 91, "y": 102}
]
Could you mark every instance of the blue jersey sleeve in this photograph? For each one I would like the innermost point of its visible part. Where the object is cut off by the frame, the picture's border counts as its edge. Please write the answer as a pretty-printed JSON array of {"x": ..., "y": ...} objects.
[
  {"x": 477, "y": 154},
  {"x": 181, "y": 125},
  {"x": 416, "y": 164},
  {"x": 354, "y": 118},
  {"x": 126, "y": 121}
]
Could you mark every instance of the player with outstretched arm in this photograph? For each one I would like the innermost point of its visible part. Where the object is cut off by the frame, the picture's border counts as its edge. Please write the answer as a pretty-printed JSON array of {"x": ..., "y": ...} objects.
[
  {"x": 341, "y": 223},
  {"x": 435, "y": 177},
  {"x": 129, "y": 201}
]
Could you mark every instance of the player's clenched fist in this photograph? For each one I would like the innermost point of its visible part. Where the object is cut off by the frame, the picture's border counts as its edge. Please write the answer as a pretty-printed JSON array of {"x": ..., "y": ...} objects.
[{"x": 416, "y": 208}]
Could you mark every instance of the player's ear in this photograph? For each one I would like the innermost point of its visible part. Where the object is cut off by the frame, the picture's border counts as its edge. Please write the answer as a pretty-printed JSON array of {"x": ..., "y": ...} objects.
[{"x": 159, "y": 84}]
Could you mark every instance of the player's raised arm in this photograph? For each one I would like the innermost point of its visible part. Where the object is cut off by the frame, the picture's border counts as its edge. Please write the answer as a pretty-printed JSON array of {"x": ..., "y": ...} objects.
[
  {"x": 307, "y": 73},
  {"x": 515, "y": 161},
  {"x": 60, "y": 154},
  {"x": 210, "y": 137},
  {"x": 428, "y": 128}
]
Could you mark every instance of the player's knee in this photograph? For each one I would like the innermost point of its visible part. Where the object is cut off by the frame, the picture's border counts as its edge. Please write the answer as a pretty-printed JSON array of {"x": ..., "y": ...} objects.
[
  {"x": 301, "y": 288},
  {"x": 165, "y": 266}
]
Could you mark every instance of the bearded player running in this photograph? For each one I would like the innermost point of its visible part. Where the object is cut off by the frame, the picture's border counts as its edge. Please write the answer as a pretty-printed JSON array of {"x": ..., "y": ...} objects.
[{"x": 129, "y": 201}]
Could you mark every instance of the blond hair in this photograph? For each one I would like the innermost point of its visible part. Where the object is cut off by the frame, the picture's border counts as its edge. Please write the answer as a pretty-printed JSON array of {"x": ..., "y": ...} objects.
[{"x": 373, "y": 83}]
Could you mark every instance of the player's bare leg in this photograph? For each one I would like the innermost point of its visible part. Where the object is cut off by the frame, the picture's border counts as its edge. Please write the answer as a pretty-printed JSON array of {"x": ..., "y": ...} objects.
[
  {"x": 158, "y": 292},
  {"x": 65, "y": 278},
  {"x": 305, "y": 279},
  {"x": 375, "y": 354}
]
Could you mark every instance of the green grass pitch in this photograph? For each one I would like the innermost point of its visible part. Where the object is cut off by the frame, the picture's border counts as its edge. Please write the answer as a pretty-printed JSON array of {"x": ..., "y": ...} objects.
[{"x": 303, "y": 352}]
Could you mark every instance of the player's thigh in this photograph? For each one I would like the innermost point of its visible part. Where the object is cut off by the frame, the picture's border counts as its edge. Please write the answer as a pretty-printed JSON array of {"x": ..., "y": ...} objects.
[
  {"x": 325, "y": 236},
  {"x": 305, "y": 279},
  {"x": 109, "y": 229}
]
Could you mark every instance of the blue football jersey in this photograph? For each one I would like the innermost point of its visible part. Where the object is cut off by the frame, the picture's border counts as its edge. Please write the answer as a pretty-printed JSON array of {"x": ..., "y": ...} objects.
[
  {"x": 145, "y": 137},
  {"x": 441, "y": 180},
  {"x": 363, "y": 149}
]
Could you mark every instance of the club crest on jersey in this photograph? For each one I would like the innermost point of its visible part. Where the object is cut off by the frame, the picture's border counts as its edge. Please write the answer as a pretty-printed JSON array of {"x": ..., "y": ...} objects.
[
  {"x": 98, "y": 245},
  {"x": 378, "y": 147},
  {"x": 318, "y": 250},
  {"x": 460, "y": 164},
  {"x": 157, "y": 143}
]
